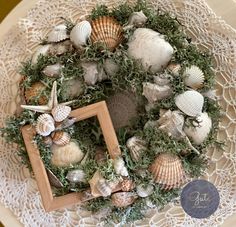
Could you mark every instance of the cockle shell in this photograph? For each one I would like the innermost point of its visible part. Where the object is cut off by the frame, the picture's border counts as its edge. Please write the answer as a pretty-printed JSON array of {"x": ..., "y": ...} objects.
[
  {"x": 41, "y": 50},
  {"x": 127, "y": 185},
  {"x": 167, "y": 170},
  {"x": 119, "y": 166},
  {"x": 107, "y": 31},
  {"x": 66, "y": 155},
  {"x": 45, "y": 125},
  {"x": 60, "y": 138},
  {"x": 137, "y": 19},
  {"x": 200, "y": 132},
  {"x": 60, "y": 112},
  {"x": 174, "y": 68},
  {"x": 58, "y": 33},
  {"x": 154, "y": 92},
  {"x": 193, "y": 77},
  {"x": 54, "y": 181},
  {"x": 190, "y": 102},
  {"x": 136, "y": 147},
  {"x": 52, "y": 70},
  {"x": 144, "y": 191},
  {"x": 104, "y": 188},
  {"x": 76, "y": 176},
  {"x": 80, "y": 33},
  {"x": 123, "y": 199},
  {"x": 150, "y": 48}
]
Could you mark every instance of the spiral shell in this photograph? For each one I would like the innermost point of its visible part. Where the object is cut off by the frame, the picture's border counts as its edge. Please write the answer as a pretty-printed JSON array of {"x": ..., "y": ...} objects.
[
  {"x": 123, "y": 199},
  {"x": 59, "y": 33},
  {"x": 53, "y": 70},
  {"x": 60, "y": 138},
  {"x": 107, "y": 31},
  {"x": 76, "y": 176},
  {"x": 127, "y": 185},
  {"x": 167, "y": 170},
  {"x": 60, "y": 112},
  {"x": 190, "y": 102},
  {"x": 45, "y": 125},
  {"x": 144, "y": 191},
  {"x": 119, "y": 166},
  {"x": 193, "y": 77}
]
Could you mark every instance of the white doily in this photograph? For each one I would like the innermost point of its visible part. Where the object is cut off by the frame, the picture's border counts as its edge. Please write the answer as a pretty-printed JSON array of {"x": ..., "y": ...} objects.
[{"x": 18, "y": 190}]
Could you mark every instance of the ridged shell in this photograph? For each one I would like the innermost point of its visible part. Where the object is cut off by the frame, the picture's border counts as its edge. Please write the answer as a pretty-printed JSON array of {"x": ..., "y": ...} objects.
[
  {"x": 53, "y": 70},
  {"x": 199, "y": 133},
  {"x": 174, "y": 68},
  {"x": 80, "y": 33},
  {"x": 123, "y": 199},
  {"x": 143, "y": 191},
  {"x": 104, "y": 188},
  {"x": 59, "y": 33},
  {"x": 190, "y": 102},
  {"x": 41, "y": 50},
  {"x": 45, "y": 125},
  {"x": 193, "y": 77},
  {"x": 167, "y": 170},
  {"x": 60, "y": 112},
  {"x": 137, "y": 19},
  {"x": 76, "y": 176},
  {"x": 136, "y": 147},
  {"x": 107, "y": 31},
  {"x": 54, "y": 181},
  {"x": 60, "y": 138},
  {"x": 127, "y": 185},
  {"x": 119, "y": 166}
]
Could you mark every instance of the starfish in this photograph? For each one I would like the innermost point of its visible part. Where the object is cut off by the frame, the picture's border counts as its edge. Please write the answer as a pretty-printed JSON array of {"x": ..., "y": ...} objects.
[{"x": 53, "y": 102}]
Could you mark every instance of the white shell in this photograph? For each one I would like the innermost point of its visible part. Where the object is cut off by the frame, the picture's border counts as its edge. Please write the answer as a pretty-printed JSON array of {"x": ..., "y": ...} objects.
[
  {"x": 193, "y": 77},
  {"x": 137, "y": 19},
  {"x": 174, "y": 68},
  {"x": 110, "y": 67},
  {"x": 199, "y": 133},
  {"x": 41, "y": 50},
  {"x": 80, "y": 33},
  {"x": 59, "y": 33},
  {"x": 154, "y": 92},
  {"x": 76, "y": 176},
  {"x": 150, "y": 48},
  {"x": 190, "y": 102},
  {"x": 136, "y": 147},
  {"x": 104, "y": 188},
  {"x": 61, "y": 112},
  {"x": 119, "y": 166},
  {"x": 45, "y": 125},
  {"x": 60, "y": 138},
  {"x": 90, "y": 72},
  {"x": 144, "y": 191},
  {"x": 52, "y": 70}
]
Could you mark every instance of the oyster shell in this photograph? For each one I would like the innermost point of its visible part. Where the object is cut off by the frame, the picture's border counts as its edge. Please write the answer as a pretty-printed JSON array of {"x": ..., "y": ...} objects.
[
  {"x": 190, "y": 102},
  {"x": 123, "y": 199},
  {"x": 193, "y": 77},
  {"x": 61, "y": 112},
  {"x": 119, "y": 166},
  {"x": 53, "y": 70},
  {"x": 76, "y": 176},
  {"x": 60, "y": 138},
  {"x": 127, "y": 185},
  {"x": 174, "y": 68},
  {"x": 137, "y": 19},
  {"x": 41, "y": 50},
  {"x": 167, "y": 170},
  {"x": 107, "y": 31},
  {"x": 58, "y": 33},
  {"x": 150, "y": 48},
  {"x": 143, "y": 191},
  {"x": 45, "y": 125},
  {"x": 54, "y": 181}
]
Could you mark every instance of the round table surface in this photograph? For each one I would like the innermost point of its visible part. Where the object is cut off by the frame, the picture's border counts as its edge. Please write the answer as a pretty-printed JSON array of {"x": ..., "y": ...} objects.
[{"x": 225, "y": 9}]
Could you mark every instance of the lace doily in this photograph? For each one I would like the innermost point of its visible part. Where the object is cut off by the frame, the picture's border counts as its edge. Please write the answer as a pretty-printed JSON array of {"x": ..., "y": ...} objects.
[{"x": 18, "y": 190}]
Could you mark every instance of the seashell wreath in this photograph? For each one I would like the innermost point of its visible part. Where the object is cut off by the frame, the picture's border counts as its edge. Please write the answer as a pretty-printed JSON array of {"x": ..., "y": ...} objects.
[{"x": 159, "y": 94}]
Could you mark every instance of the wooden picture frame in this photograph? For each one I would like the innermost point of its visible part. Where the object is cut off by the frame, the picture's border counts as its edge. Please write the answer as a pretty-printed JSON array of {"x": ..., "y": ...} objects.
[{"x": 51, "y": 203}]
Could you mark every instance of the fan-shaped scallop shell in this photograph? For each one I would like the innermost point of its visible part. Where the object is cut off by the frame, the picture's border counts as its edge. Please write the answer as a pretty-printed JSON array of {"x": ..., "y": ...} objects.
[
  {"x": 107, "y": 31},
  {"x": 60, "y": 112},
  {"x": 60, "y": 138},
  {"x": 190, "y": 102},
  {"x": 193, "y": 77},
  {"x": 167, "y": 170},
  {"x": 123, "y": 199},
  {"x": 59, "y": 33},
  {"x": 45, "y": 125},
  {"x": 76, "y": 176},
  {"x": 104, "y": 188},
  {"x": 52, "y": 70}
]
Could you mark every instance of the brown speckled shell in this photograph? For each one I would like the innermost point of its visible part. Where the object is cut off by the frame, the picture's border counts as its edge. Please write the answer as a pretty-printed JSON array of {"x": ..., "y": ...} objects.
[
  {"x": 127, "y": 185},
  {"x": 123, "y": 199},
  {"x": 60, "y": 138}
]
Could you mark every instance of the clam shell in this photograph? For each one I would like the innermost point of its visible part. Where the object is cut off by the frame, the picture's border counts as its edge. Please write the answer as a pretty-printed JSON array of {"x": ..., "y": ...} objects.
[
  {"x": 76, "y": 176},
  {"x": 107, "y": 31},
  {"x": 80, "y": 33},
  {"x": 60, "y": 138},
  {"x": 104, "y": 188},
  {"x": 119, "y": 166},
  {"x": 52, "y": 70},
  {"x": 143, "y": 191},
  {"x": 190, "y": 102},
  {"x": 59, "y": 33},
  {"x": 123, "y": 199},
  {"x": 127, "y": 185},
  {"x": 60, "y": 112},
  {"x": 54, "y": 181},
  {"x": 193, "y": 77},
  {"x": 167, "y": 170},
  {"x": 199, "y": 133},
  {"x": 45, "y": 125},
  {"x": 174, "y": 68},
  {"x": 41, "y": 50},
  {"x": 137, "y": 19}
]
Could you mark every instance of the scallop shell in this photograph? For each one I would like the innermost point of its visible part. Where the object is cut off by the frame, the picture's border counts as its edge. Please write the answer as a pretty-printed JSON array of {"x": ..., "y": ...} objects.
[
  {"x": 107, "y": 31},
  {"x": 76, "y": 176},
  {"x": 45, "y": 125},
  {"x": 61, "y": 112},
  {"x": 54, "y": 181},
  {"x": 144, "y": 191},
  {"x": 167, "y": 170},
  {"x": 52, "y": 70},
  {"x": 199, "y": 133},
  {"x": 190, "y": 102},
  {"x": 59, "y": 33},
  {"x": 41, "y": 50},
  {"x": 66, "y": 155},
  {"x": 80, "y": 33},
  {"x": 193, "y": 77},
  {"x": 60, "y": 138},
  {"x": 136, "y": 147},
  {"x": 104, "y": 188},
  {"x": 123, "y": 199},
  {"x": 119, "y": 166},
  {"x": 174, "y": 68},
  {"x": 137, "y": 19},
  {"x": 127, "y": 185}
]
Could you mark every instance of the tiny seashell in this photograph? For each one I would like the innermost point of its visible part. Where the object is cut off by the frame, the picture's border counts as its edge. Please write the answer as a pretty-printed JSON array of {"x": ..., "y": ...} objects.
[
  {"x": 111, "y": 68},
  {"x": 104, "y": 188},
  {"x": 45, "y": 125},
  {"x": 107, "y": 31},
  {"x": 167, "y": 170},
  {"x": 127, "y": 185},
  {"x": 59, "y": 33},
  {"x": 193, "y": 77},
  {"x": 119, "y": 166},
  {"x": 137, "y": 19},
  {"x": 174, "y": 68},
  {"x": 80, "y": 33},
  {"x": 61, "y": 112},
  {"x": 41, "y": 50},
  {"x": 90, "y": 72},
  {"x": 190, "y": 102},
  {"x": 199, "y": 133},
  {"x": 52, "y": 70},
  {"x": 76, "y": 176},
  {"x": 123, "y": 199},
  {"x": 154, "y": 92},
  {"x": 136, "y": 147},
  {"x": 47, "y": 140},
  {"x": 60, "y": 138},
  {"x": 144, "y": 191},
  {"x": 54, "y": 181}
]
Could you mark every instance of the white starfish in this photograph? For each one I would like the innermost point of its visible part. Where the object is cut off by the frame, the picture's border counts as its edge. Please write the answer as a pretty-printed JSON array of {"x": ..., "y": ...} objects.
[{"x": 53, "y": 102}]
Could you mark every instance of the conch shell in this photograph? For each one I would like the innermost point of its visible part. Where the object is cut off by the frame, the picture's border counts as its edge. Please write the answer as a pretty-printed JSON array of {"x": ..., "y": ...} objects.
[{"x": 45, "y": 125}]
